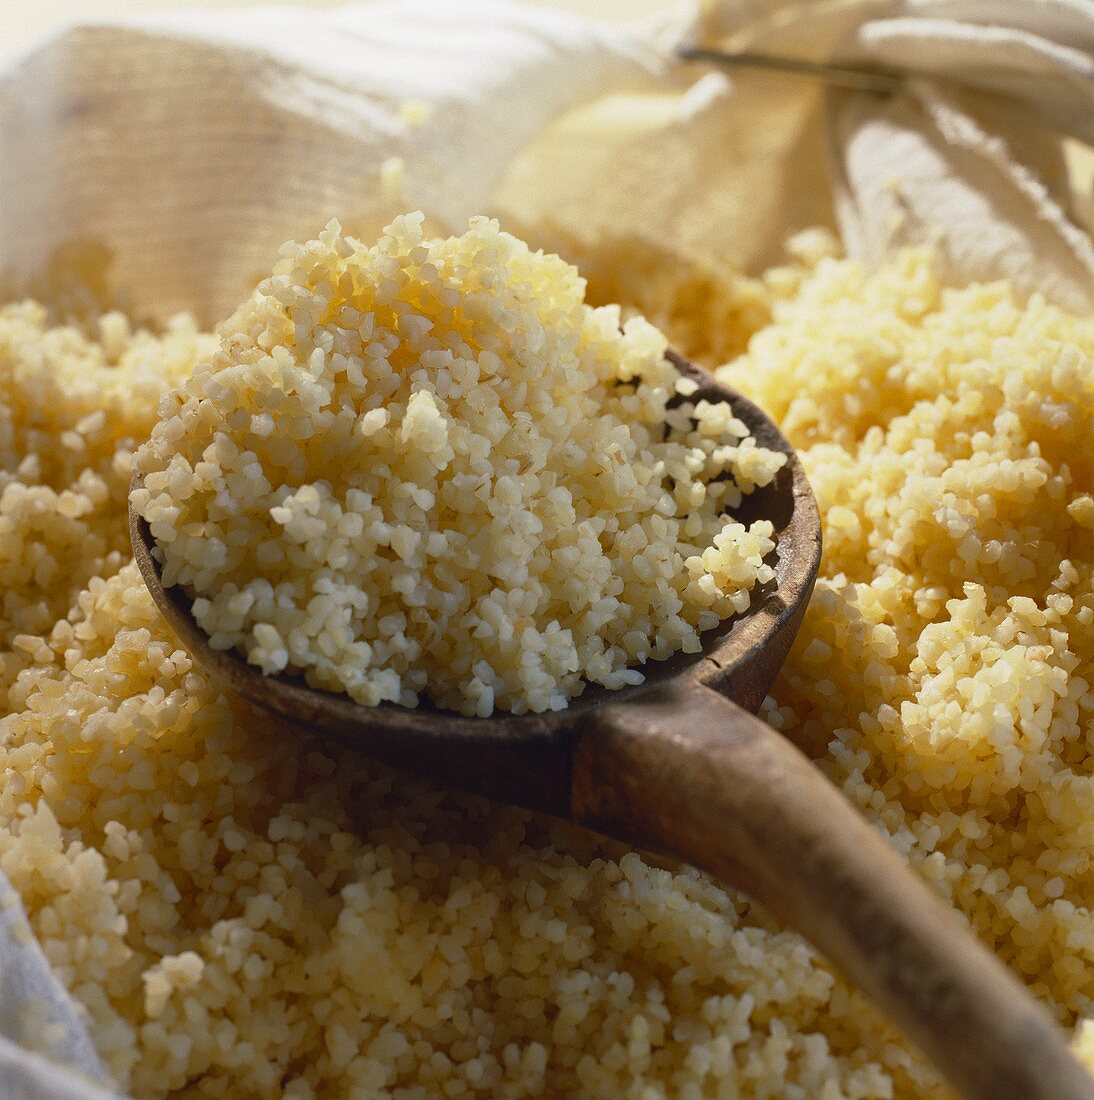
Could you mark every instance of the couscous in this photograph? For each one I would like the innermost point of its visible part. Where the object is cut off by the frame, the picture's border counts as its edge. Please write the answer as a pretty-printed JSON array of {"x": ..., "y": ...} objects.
[
  {"x": 428, "y": 467},
  {"x": 245, "y": 912}
]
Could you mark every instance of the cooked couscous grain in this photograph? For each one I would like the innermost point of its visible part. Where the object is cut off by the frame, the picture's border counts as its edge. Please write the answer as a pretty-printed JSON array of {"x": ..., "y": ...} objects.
[
  {"x": 244, "y": 912},
  {"x": 710, "y": 309},
  {"x": 74, "y": 405},
  {"x": 427, "y": 467}
]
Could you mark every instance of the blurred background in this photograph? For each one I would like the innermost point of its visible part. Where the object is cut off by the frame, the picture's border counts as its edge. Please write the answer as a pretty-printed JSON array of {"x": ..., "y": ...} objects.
[{"x": 21, "y": 22}]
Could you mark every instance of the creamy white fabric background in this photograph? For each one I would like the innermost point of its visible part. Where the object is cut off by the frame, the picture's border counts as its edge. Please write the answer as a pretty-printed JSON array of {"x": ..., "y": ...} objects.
[
  {"x": 193, "y": 191},
  {"x": 24, "y": 21}
]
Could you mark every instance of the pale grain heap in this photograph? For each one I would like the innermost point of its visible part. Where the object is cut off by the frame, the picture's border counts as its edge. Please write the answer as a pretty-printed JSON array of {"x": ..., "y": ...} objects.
[
  {"x": 244, "y": 912},
  {"x": 427, "y": 467}
]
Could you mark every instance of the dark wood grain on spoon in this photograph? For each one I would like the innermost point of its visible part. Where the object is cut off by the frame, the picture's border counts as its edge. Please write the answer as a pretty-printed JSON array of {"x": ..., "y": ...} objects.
[{"x": 679, "y": 765}]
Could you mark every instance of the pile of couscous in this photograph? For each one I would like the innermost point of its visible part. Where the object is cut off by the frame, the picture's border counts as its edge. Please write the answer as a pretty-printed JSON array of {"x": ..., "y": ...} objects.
[
  {"x": 428, "y": 467},
  {"x": 245, "y": 912}
]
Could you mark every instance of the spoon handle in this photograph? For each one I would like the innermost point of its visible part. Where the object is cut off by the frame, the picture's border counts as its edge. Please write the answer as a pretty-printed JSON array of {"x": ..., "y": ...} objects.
[{"x": 686, "y": 772}]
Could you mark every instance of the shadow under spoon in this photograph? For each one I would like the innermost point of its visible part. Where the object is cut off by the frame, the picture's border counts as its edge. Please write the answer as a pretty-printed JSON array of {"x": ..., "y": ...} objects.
[{"x": 679, "y": 765}]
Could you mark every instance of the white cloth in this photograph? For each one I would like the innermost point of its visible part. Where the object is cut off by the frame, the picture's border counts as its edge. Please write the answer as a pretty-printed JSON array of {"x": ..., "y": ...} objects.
[
  {"x": 967, "y": 164},
  {"x": 191, "y": 146},
  {"x": 38, "y": 1015},
  {"x": 194, "y": 145}
]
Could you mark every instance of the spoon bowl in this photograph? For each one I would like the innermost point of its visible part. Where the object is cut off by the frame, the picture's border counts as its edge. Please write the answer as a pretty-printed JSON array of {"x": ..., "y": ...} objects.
[
  {"x": 519, "y": 758},
  {"x": 680, "y": 765}
]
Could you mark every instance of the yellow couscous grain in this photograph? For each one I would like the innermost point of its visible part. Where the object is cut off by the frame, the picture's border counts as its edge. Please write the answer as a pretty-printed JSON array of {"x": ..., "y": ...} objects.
[
  {"x": 244, "y": 912},
  {"x": 428, "y": 467}
]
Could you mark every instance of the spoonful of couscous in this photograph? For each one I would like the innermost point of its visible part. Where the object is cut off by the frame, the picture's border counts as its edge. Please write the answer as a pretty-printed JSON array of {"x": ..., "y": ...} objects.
[{"x": 425, "y": 500}]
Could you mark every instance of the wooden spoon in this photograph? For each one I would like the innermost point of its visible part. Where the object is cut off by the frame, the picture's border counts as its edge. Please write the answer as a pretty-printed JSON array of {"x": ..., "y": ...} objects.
[{"x": 679, "y": 766}]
